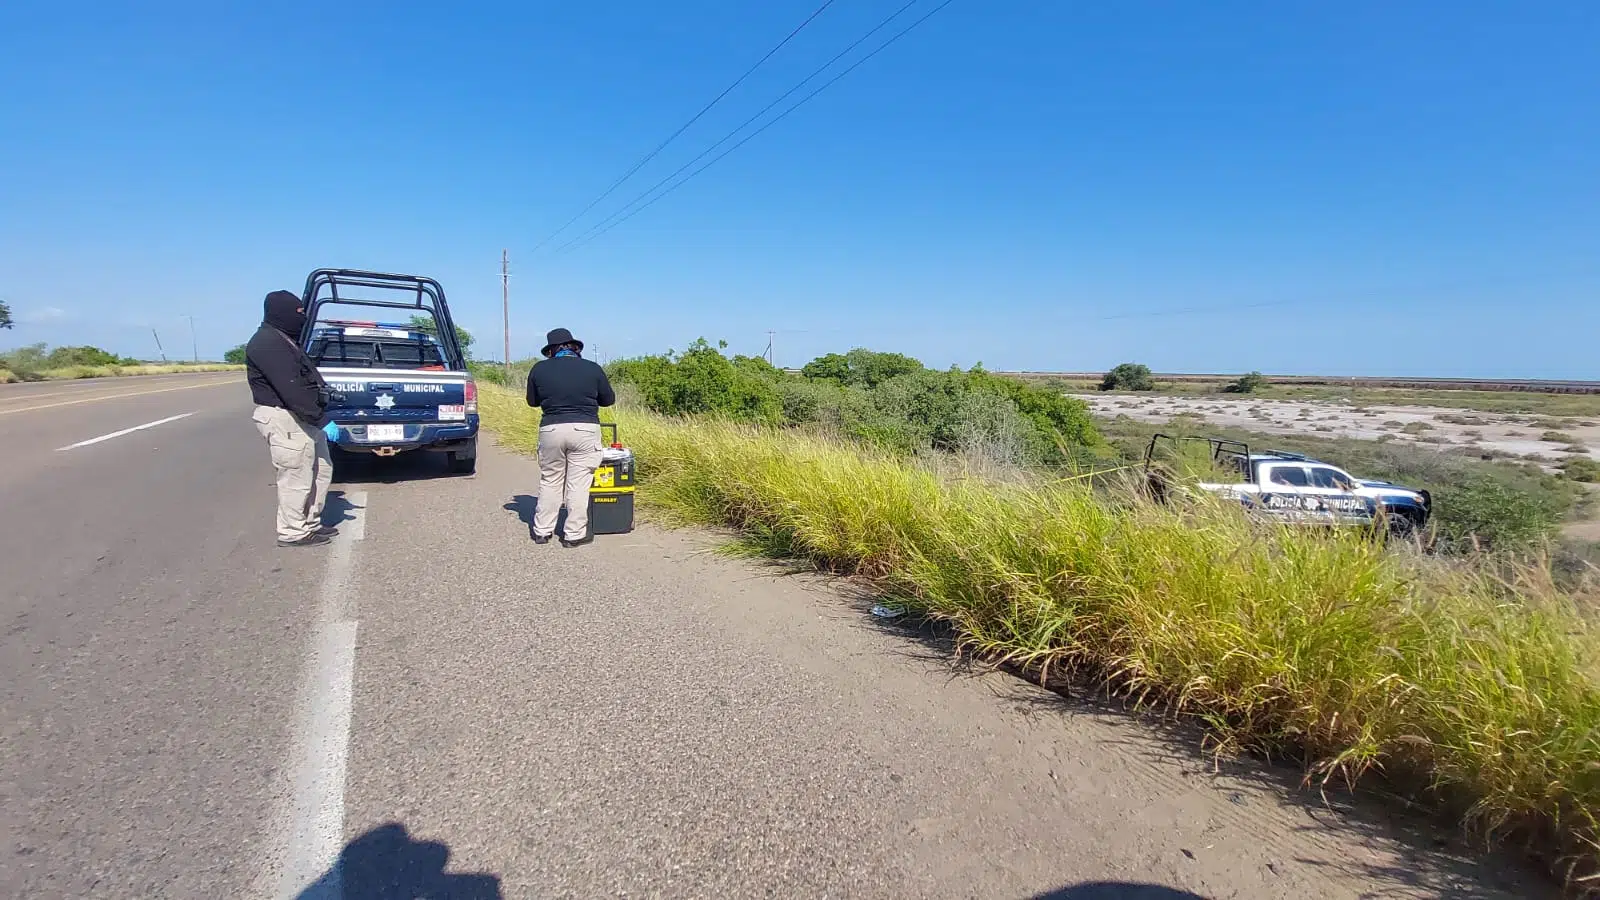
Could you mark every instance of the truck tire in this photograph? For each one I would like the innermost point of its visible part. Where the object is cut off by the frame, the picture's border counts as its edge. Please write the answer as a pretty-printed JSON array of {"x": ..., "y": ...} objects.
[
  {"x": 1402, "y": 523},
  {"x": 464, "y": 463}
]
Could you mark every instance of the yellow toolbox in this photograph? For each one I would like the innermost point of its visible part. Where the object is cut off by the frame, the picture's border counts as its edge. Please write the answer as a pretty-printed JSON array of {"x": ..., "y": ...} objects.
[{"x": 611, "y": 492}]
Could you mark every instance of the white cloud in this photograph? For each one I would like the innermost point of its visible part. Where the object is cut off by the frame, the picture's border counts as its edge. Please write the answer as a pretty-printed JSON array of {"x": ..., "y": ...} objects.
[{"x": 43, "y": 315}]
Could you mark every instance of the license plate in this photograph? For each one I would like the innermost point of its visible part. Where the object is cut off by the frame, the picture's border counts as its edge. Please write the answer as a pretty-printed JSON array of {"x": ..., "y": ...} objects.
[
  {"x": 386, "y": 432},
  {"x": 453, "y": 413}
]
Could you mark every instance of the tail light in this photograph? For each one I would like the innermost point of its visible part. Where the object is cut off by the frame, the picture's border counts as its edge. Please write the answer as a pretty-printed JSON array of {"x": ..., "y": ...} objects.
[{"x": 470, "y": 396}]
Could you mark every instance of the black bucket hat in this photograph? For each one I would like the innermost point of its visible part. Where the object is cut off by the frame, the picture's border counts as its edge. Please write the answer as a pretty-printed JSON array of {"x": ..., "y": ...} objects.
[{"x": 558, "y": 337}]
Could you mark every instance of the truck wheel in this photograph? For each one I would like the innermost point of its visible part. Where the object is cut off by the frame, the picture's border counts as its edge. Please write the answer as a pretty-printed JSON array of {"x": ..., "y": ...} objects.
[
  {"x": 463, "y": 465},
  {"x": 1401, "y": 523}
]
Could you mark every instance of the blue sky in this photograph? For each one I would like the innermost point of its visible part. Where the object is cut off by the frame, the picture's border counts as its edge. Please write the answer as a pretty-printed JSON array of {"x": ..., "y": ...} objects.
[{"x": 1356, "y": 188}]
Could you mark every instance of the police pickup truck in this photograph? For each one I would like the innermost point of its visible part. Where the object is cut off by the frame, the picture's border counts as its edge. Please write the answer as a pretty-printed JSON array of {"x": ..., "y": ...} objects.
[
  {"x": 1298, "y": 488},
  {"x": 397, "y": 386}
]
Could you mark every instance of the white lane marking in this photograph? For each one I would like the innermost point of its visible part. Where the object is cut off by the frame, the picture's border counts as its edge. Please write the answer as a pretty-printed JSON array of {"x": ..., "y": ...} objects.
[
  {"x": 117, "y": 434},
  {"x": 311, "y": 832},
  {"x": 355, "y": 527}
]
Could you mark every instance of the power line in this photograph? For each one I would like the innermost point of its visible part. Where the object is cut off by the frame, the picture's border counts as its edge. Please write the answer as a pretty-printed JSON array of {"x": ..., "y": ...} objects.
[
  {"x": 684, "y": 127},
  {"x": 596, "y": 229}
]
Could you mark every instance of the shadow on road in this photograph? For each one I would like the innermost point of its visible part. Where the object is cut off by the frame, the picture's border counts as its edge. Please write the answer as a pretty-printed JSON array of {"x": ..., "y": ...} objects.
[
  {"x": 387, "y": 864},
  {"x": 1116, "y": 890},
  {"x": 526, "y": 505},
  {"x": 366, "y": 468},
  {"x": 338, "y": 509}
]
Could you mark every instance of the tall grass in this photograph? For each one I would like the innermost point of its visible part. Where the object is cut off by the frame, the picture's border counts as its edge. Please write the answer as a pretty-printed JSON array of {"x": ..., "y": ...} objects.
[{"x": 1484, "y": 683}]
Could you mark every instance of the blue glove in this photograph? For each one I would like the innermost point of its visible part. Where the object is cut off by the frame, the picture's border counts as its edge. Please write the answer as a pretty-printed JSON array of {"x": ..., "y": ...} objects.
[{"x": 331, "y": 430}]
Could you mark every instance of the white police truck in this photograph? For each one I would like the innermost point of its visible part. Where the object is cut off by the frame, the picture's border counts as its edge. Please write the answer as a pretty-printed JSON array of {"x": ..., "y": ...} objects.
[{"x": 1293, "y": 487}]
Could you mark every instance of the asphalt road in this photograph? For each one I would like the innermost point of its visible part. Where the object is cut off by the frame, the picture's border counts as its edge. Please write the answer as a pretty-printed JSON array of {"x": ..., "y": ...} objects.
[{"x": 188, "y": 711}]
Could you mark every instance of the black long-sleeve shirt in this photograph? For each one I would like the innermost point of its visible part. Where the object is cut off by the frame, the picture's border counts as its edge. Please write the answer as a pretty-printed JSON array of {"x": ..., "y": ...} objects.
[
  {"x": 281, "y": 375},
  {"x": 569, "y": 389}
]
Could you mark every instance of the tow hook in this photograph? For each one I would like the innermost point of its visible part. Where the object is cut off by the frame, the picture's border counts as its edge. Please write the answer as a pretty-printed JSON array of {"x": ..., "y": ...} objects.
[{"x": 385, "y": 451}]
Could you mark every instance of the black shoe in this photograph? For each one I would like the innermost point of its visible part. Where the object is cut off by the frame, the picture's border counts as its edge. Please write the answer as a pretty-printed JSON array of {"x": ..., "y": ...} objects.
[
  {"x": 329, "y": 530},
  {"x": 310, "y": 540},
  {"x": 586, "y": 539},
  {"x": 541, "y": 539}
]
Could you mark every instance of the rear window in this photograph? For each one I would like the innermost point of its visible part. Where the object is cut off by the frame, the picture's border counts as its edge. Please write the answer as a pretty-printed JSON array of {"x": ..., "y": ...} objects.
[
  {"x": 374, "y": 353},
  {"x": 1293, "y": 476}
]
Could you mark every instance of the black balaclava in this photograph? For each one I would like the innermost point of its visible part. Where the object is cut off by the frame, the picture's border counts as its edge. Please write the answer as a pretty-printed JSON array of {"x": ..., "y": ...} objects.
[{"x": 283, "y": 312}]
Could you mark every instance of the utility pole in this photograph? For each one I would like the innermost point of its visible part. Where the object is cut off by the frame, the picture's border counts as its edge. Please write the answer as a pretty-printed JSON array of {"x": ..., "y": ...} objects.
[
  {"x": 159, "y": 349},
  {"x": 505, "y": 304},
  {"x": 193, "y": 340}
]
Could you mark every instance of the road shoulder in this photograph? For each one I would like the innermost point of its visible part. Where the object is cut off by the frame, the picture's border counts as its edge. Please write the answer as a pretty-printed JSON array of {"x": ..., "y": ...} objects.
[{"x": 645, "y": 716}]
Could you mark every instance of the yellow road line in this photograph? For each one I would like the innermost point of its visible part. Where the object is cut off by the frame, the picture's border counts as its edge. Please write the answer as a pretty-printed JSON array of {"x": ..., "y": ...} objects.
[{"x": 186, "y": 387}]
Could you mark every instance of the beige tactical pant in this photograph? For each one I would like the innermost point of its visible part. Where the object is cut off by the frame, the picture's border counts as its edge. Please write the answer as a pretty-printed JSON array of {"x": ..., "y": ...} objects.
[
  {"x": 300, "y": 454},
  {"x": 568, "y": 456}
]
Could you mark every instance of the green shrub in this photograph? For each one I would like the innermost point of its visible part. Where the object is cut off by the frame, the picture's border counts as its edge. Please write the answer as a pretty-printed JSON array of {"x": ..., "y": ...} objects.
[
  {"x": 235, "y": 356},
  {"x": 702, "y": 381},
  {"x": 884, "y": 399},
  {"x": 1053, "y": 413},
  {"x": 1246, "y": 384},
  {"x": 66, "y": 357},
  {"x": 808, "y": 402},
  {"x": 27, "y": 361},
  {"x": 1558, "y": 437},
  {"x": 860, "y": 367},
  {"x": 1496, "y": 514},
  {"x": 36, "y": 360},
  {"x": 493, "y": 373},
  {"x": 1128, "y": 377},
  {"x": 759, "y": 367}
]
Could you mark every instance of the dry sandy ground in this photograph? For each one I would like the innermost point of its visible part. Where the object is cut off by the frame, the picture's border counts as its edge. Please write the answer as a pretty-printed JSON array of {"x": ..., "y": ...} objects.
[{"x": 1532, "y": 437}]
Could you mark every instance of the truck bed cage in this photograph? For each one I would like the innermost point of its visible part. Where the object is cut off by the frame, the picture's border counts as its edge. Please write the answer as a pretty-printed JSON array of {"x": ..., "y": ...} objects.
[
  {"x": 421, "y": 294},
  {"x": 1219, "y": 446}
]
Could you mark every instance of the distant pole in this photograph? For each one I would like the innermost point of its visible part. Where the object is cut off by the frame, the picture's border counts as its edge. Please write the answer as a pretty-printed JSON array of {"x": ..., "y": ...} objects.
[
  {"x": 194, "y": 340},
  {"x": 771, "y": 336},
  {"x": 159, "y": 349},
  {"x": 505, "y": 304}
]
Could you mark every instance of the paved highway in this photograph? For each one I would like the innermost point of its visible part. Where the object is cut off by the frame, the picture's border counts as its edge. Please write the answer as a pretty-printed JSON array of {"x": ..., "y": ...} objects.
[{"x": 188, "y": 711}]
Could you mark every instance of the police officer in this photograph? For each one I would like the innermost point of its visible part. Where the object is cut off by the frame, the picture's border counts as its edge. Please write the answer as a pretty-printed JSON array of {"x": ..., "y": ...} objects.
[
  {"x": 569, "y": 390},
  {"x": 291, "y": 403}
]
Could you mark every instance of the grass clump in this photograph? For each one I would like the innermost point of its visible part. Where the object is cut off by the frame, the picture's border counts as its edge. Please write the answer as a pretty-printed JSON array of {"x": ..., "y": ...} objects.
[
  {"x": 1582, "y": 468},
  {"x": 1557, "y": 437},
  {"x": 1480, "y": 681}
]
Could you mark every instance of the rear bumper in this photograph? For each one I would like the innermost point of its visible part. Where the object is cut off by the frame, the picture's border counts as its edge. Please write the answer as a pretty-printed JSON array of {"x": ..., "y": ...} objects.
[{"x": 431, "y": 436}]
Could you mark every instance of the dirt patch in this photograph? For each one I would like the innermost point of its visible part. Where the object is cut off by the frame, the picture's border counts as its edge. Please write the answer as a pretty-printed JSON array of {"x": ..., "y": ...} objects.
[{"x": 1494, "y": 434}]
